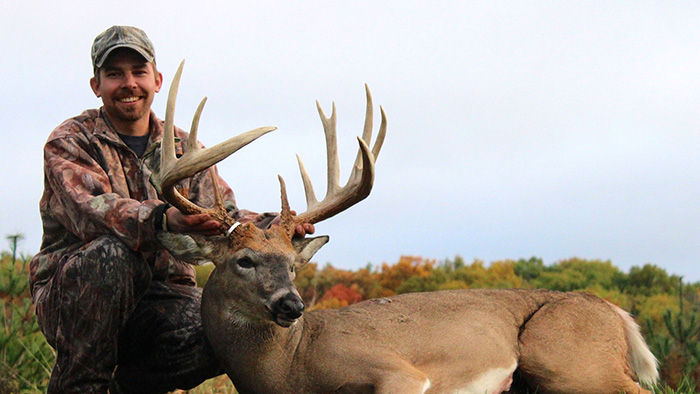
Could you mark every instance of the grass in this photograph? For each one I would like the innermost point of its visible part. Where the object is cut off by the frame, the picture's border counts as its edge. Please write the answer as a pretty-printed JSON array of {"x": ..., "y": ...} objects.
[
  {"x": 218, "y": 385},
  {"x": 26, "y": 359}
]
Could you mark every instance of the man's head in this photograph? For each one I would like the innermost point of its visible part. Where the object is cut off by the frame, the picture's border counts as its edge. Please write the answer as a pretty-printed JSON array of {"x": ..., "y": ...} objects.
[{"x": 125, "y": 77}]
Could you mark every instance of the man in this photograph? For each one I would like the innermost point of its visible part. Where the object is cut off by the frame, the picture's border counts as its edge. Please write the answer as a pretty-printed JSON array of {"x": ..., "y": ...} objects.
[{"x": 119, "y": 310}]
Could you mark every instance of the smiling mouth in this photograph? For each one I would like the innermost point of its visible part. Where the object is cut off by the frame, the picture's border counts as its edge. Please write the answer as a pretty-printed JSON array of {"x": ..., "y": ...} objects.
[{"x": 130, "y": 99}]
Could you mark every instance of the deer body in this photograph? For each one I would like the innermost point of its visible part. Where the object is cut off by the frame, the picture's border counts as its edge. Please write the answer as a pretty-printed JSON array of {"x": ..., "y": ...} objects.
[
  {"x": 469, "y": 341},
  {"x": 378, "y": 343}
]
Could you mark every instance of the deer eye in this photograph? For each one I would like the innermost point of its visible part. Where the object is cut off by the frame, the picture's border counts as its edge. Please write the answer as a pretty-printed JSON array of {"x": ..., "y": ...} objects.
[{"x": 246, "y": 262}]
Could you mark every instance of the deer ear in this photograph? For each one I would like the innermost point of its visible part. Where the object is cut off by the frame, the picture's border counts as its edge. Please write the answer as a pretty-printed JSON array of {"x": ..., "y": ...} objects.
[
  {"x": 193, "y": 248},
  {"x": 307, "y": 247}
]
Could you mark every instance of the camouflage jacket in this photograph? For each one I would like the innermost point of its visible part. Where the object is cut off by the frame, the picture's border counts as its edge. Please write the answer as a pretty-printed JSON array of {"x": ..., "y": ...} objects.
[{"x": 95, "y": 185}]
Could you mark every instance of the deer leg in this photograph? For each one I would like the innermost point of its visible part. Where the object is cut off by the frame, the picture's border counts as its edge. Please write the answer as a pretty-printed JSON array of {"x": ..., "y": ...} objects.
[
  {"x": 398, "y": 376},
  {"x": 576, "y": 344},
  {"x": 405, "y": 381}
]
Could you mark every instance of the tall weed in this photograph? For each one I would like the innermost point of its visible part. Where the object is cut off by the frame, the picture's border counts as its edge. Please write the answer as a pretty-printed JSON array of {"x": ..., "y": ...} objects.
[{"x": 25, "y": 357}]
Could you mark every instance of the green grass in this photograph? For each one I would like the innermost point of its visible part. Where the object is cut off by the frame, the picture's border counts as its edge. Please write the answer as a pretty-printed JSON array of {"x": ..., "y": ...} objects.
[
  {"x": 26, "y": 358},
  {"x": 685, "y": 386}
]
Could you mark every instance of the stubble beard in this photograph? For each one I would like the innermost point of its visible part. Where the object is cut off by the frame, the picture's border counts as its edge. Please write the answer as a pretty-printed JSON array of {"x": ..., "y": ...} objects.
[{"x": 131, "y": 114}]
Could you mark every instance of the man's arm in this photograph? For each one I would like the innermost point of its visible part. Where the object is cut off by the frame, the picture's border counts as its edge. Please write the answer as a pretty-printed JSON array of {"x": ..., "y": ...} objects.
[{"x": 84, "y": 201}]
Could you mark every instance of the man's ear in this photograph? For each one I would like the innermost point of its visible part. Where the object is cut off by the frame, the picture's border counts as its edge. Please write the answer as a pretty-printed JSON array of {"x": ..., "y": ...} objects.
[
  {"x": 95, "y": 85},
  {"x": 307, "y": 247},
  {"x": 159, "y": 81}
]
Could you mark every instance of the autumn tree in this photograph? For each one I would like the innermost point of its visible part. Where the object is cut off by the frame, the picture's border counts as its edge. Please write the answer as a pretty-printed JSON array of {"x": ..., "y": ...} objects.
[
  {"x": 392, "y": 276},
  {"x": 339, "y": 296}
]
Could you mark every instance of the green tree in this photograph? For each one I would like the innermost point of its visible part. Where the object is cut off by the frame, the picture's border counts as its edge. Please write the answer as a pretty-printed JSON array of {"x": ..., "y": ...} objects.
[
  {"x": 649, "y": 280},
  {"x": 416, "y": 284},
  {"x": 529, "y": 269},
  {"x": 578, "y": 274}
]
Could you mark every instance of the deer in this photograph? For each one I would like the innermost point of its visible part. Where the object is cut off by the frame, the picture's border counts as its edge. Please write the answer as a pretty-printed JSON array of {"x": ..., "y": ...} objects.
[{"x": 453, "y": 341}]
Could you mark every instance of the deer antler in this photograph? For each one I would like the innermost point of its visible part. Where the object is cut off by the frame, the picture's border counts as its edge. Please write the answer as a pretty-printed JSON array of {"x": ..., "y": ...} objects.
[
  {"x": 359, "y": 184},
  {"x": 195, "y": 159}
]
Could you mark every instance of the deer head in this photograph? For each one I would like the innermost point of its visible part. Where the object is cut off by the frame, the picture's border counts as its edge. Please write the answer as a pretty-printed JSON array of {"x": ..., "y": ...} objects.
[{"x": 256, "y": 267}]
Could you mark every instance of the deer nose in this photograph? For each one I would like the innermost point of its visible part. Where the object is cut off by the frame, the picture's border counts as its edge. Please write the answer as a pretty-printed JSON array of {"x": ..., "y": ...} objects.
[{"x": 289, "y": 306}]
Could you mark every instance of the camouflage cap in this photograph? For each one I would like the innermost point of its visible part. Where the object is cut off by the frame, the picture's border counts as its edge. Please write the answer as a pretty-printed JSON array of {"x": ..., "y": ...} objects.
[{"x": 121, "y": 37}]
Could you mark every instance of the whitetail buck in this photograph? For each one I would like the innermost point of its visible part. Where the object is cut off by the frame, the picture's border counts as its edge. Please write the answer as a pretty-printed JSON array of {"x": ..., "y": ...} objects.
[{"x": 469, "y": 341}]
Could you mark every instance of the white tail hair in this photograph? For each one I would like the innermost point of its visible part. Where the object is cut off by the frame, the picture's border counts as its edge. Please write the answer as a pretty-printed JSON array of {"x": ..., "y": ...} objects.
[{"x": 641, "y": 359}]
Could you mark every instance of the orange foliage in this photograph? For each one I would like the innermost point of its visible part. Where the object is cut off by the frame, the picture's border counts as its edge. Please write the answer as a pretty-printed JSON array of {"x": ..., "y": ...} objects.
[
  {"x": 344, "y": 293},
  {"x": 339, "y": 296},
  {"x": 392, "y": 276}
]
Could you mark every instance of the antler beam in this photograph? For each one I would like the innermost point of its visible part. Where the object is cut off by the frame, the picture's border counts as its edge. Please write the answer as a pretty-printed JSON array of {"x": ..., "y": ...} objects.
[{"x": 194, "y": 159}]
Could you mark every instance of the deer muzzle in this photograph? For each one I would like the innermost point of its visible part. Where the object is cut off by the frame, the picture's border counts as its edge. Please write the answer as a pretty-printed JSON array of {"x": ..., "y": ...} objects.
[{"x": 286, "y": 307}]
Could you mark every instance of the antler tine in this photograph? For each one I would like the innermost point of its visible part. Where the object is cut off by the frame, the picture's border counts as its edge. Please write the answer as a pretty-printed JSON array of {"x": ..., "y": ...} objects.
[
  {"x": 359, "y": 185},
  {"x": 333, "y": 173},
  {"x": 311, "y": 200},
  {"x": 286, "y": 218},
  {"x": 195, "y": 159},
  {"x": 192, "y": 140},
  {"x": 367, "y": 129},
  {"x": 367, "y": 134},
  {"x": 380, "y": 136},
  {"x": 168, "y": 143},
  {"x": 333, "y": 177}
]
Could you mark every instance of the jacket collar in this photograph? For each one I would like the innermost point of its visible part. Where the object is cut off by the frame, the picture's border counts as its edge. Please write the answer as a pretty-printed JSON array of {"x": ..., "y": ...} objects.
[{"x": 105, "y": 129}]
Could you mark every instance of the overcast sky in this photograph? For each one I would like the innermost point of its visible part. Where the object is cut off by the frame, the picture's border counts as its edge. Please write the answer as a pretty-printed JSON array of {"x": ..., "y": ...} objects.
[{"x": 516, "y": 129}]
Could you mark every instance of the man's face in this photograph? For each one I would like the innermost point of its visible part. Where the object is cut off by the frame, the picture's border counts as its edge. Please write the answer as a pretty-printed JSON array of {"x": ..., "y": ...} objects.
[{"x": 127, "y": 85}]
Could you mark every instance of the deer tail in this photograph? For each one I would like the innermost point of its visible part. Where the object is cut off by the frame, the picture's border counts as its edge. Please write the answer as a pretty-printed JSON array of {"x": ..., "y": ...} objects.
[{"x": 641, "y": 359}]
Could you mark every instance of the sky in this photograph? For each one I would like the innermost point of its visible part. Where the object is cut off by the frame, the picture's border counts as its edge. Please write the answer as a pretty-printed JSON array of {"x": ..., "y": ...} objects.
[{"x": 515, "y": 129}]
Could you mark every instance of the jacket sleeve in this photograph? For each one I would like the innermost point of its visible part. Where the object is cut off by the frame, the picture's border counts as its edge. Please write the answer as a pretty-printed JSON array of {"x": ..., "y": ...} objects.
[{"x": 84, "y": 202}]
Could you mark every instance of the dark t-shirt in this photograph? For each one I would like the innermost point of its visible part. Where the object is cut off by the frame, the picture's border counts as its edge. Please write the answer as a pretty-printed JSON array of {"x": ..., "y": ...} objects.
[{"x": 137, "y": 144}]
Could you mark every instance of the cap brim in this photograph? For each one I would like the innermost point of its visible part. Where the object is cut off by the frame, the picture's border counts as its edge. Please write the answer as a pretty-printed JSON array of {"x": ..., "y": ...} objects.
[{"x": 136, "y": 48}]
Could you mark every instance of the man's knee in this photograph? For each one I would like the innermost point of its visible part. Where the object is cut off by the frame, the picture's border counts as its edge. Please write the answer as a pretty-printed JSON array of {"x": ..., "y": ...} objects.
[{"x": 102, "y": 272}]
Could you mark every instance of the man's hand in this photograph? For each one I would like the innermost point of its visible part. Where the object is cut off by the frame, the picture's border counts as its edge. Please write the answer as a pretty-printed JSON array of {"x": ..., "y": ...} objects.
[
  {"x": 302, "y": 229},
  {"x": 200, "y": 223}
]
